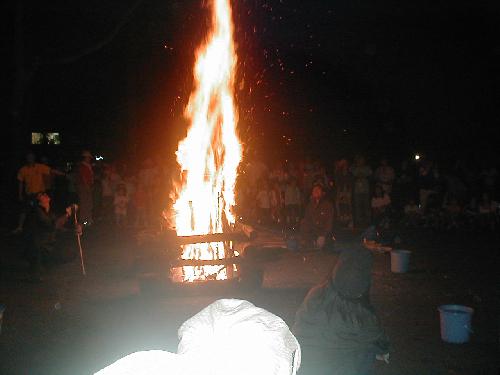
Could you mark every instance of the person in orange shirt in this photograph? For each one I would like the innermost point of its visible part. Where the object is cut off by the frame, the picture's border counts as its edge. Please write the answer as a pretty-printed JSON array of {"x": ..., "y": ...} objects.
[{"x": 31, "y": 179}]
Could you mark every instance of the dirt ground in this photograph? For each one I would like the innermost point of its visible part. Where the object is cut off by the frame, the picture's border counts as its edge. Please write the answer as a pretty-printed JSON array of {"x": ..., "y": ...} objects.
[{"x": 69, "y": 324}]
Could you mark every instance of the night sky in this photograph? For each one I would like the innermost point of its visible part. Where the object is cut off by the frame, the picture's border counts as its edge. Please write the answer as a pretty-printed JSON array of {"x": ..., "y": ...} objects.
[{"x": 335, "y": 77}]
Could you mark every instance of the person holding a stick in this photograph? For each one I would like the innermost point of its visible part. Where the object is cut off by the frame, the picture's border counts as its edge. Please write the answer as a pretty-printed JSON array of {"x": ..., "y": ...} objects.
[{"x": 47, "y": 238}]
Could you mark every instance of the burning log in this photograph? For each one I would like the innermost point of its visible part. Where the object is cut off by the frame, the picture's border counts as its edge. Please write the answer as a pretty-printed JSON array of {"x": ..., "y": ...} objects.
[
  {"x": 213, "y": 237},
  {"x": 210, "y": 154},
  {"x": 210, "y": 262}
]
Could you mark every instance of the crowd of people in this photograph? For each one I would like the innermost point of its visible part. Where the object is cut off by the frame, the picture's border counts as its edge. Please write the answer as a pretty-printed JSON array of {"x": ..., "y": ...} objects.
[
  {"x": 354, "y": 193},
  {"x": 305, "y": 198},
  {"x": 55, "y": 203},
  {"x": 111, "y": 193},
  {"x": 418, "y": 193}
]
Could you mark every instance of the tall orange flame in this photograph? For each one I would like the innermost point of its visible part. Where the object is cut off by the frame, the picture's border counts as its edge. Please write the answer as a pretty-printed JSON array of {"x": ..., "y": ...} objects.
[{"x": 210, "y": 154}]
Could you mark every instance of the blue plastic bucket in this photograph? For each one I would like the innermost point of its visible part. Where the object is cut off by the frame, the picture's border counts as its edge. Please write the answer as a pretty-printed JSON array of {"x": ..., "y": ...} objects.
[
  {"x": 400, "y": 260},
  {"x": 455, "y": 323}
]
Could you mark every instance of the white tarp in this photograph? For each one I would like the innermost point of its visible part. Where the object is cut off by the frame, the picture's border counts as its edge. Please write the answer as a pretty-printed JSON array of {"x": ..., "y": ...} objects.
[
  {"x": 234, "y": 337},
  {"x": 228, "y": 337}
]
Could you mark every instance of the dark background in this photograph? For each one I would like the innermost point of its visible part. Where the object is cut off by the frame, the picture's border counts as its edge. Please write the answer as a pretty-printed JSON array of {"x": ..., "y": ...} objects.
[{"x": 326, "y": 78}]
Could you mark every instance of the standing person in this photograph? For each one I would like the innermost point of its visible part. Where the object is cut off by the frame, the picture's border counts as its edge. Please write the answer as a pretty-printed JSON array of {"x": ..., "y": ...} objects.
[
  {"x": 139, "y": 202},
  {"x": 32, "y": 178},
  {"x": 263, "y": 201},
  {"x": 147, "y": 176},
  {"x": 336, "y": 325},
  {"x": 84, "y": 187},
  {"x": 276, "y": 203},
  {"x": 120, "y": 204},
  {"x": 256, "y": 170},
  {"x": 292, "y": 202},
  {"x": 317, "y": 224},
  {"x": 343, "y": 192},
  {"x": 48, "y": 179},
  {"x": 404, "y": 188},
  {"x": 384, "y": 176},
  {"x": 109, "y": 182},
  {"x": 381, "y": 201},
  {"x": 361, "y": 192},
  {"x": 426, "y": 182}
]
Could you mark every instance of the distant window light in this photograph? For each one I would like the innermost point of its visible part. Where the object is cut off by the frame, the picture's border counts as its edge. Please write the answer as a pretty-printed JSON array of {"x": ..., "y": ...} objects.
[
  {"x": 36, "y": 138},
  {"x": 45, "y": 138}
]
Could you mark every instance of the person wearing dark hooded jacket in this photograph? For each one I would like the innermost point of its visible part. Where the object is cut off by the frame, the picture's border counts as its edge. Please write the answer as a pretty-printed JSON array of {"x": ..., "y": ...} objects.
[
  {"x": 44, "y": 238},
  {"x": 336, "y": 326}
]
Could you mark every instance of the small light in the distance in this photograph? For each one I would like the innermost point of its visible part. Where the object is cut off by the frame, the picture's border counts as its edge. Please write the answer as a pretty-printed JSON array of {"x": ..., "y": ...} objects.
[
  {"x": 417, "y": 157},
  {"x": 99, "y": 157}
]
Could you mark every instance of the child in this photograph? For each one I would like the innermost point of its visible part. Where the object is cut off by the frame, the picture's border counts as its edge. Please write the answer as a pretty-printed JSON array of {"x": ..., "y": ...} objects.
[
  {"x": 121, "y": 205},
  {"x": 264, "y": 204},
  {"x": 336, "y": 326},
  {"x": 276, "y": 203}
]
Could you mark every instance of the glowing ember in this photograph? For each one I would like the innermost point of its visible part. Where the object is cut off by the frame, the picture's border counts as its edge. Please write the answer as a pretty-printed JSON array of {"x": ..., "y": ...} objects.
[{"x": 210, "y": 153}]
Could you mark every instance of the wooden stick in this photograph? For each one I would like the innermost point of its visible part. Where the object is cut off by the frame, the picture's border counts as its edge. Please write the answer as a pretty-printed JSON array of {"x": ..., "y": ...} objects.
[{"x": 79, "y": 244}]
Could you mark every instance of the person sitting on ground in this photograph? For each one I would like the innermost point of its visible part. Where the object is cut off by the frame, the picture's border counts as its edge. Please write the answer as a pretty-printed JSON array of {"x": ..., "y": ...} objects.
[
  {"x": 45, "y": 242},
  {"x": 317, "y": 224},
  {"x": 336, "y": 325}
]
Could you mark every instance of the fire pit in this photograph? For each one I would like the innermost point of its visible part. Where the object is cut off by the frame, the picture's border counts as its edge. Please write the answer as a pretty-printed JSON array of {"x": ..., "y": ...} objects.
[
  {"x": 240, "y": 267},
  {"x": 203, "y": 270},
  {"x": 208, "y": 159}
]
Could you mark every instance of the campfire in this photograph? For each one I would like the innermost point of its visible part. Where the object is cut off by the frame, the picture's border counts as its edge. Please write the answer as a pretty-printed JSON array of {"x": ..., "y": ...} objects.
[{"x": 208, "y": 158}]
